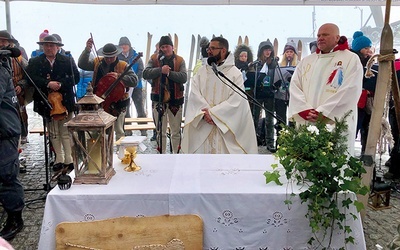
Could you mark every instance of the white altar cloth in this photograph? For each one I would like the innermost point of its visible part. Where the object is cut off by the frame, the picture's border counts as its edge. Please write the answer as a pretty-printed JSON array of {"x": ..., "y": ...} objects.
[{"x": 228, "y": 192}]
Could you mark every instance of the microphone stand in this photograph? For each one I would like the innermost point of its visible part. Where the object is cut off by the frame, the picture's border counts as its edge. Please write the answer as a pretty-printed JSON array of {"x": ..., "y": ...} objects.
[
  {"x": 160, "y": 110},
  {"x": 46, "y": 187},
  {"x": 68, "y": 53},
  {"x": 255, "y": 92},
  {"x": 253, "y": 100},
  {"x": 283, "y": 82}
]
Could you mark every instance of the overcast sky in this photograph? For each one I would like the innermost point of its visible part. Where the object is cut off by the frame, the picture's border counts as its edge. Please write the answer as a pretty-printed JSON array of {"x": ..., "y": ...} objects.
[{"x": 75, "y": 22}]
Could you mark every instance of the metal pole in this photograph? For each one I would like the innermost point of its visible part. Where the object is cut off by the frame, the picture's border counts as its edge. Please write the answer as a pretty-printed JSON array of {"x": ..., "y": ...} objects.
[{"x": 8, "y": 17}]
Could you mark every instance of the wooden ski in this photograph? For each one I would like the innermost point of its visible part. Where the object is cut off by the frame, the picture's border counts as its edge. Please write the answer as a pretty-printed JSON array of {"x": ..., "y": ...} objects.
[
  {"x": 299, "y": 49},
  {"x": 240, "y": 40},
  {"x": 147, "y": 58},
  {"x": 383, "y": 81},
  {"x": 176, "y": 43},
  {"x": 189, "y": 74},
  {"x": 276, "y": 47},
  {"x": 246, "y": 40},
  {"x": 198, "y": 54}
]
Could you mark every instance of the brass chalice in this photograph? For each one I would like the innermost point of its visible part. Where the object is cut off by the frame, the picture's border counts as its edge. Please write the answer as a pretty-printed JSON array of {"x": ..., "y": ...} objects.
[{"x": 132, "y": 152}]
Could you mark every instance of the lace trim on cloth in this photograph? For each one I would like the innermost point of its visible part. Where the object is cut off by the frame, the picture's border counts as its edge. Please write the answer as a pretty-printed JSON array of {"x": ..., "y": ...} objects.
[{"x": 174, "y": 244}]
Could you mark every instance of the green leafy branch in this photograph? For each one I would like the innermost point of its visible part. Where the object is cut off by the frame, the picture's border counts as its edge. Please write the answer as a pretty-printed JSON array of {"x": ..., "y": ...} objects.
[{"x": 315, "y": 155}]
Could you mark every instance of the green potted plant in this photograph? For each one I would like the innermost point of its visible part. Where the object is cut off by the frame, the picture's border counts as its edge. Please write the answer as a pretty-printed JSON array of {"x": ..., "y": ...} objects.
[{"x": 316, "y": 157}]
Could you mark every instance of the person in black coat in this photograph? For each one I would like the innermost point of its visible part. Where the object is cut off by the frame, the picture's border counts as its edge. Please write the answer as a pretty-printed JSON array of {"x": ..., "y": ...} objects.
[
  {"x": 55, "y": 75},
  {"x": 11, "y": 190},
  {"x": 265, "y": 91},
  {"x": 361, "y": 45}
]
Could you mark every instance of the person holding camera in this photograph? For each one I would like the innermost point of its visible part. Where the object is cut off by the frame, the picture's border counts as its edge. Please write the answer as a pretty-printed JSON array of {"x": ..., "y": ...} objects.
[
  {"x": 20, "y": 84},
  {"x": 11, "y": 190}
]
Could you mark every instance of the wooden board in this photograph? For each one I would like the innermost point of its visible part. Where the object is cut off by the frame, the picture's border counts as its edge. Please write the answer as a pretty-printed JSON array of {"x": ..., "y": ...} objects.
[
  {"x": 128, "y": 232},
  {"x": 36, "y": 130},
  {"x": 147, "y": 126},
  {"x": 143, "y": 119}
]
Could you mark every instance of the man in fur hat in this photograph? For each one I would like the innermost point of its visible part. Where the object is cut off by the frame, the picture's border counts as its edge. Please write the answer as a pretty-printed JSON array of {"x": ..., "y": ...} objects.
[
  {"x": 167, "y": 72},
  {"x": 327, "y": 82},
  {"x": 109, "y": 65}
]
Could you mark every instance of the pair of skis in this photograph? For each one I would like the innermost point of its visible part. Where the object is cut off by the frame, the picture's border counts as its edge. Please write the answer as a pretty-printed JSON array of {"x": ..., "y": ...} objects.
[
  {"x": 192, "y": 58},
  {"x": 243, "y": 41}
]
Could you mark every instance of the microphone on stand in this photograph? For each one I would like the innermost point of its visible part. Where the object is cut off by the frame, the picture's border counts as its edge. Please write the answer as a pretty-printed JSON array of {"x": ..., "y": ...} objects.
[
  {"x": 161, "y": 55},
  {"x": 254, "y": 63},
  {"x": 11, "y": 52},
  {"x": 212, "y": 62}
]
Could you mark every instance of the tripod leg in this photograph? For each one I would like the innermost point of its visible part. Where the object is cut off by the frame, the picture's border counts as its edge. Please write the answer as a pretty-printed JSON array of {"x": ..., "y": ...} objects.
[{"x": 46, "y": 142}]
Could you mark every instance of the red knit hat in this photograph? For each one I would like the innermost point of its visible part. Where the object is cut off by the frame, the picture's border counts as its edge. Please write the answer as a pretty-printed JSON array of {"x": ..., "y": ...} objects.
[{"x": 43, "y": 34}]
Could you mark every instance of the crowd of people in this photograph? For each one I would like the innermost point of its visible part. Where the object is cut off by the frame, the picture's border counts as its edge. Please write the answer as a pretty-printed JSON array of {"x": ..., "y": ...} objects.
[{"x": 231, "y": 107}]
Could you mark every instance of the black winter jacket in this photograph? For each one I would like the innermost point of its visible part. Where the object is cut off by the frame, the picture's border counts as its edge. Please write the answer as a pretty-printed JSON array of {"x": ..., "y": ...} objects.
[{"x": 64, "y": 70}]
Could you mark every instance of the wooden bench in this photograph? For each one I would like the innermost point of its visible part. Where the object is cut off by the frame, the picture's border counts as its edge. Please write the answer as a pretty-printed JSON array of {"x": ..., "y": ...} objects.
[
  {"x": 37, "y": 130},
  {"x": 147, "y": 126},
  {"x": 137, "y": 120},
  {"x": 136, "y": 125},
  {"x": 143, "y": 119}
]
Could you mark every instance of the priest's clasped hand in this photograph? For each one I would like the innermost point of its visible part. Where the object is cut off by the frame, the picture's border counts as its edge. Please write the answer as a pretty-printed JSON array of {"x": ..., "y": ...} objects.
[{"x": 207, "y": 116}]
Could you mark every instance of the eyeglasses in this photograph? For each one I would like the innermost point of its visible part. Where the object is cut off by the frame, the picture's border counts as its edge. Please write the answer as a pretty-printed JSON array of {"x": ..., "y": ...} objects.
[{"x": 212, "y": 48}]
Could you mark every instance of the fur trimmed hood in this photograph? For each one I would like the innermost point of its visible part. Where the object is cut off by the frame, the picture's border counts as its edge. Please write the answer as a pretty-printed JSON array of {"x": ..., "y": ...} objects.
[{"x": 239, "y": 49}]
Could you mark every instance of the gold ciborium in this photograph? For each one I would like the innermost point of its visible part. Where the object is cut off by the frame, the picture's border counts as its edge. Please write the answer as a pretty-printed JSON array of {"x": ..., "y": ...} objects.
[{"x": 130, "y": 155}]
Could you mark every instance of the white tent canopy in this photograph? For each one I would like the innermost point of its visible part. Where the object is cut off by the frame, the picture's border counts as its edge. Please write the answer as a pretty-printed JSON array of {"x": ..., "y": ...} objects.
[
  {"x": 212, "y": 2},
  {"x": 228, "y": 2}
]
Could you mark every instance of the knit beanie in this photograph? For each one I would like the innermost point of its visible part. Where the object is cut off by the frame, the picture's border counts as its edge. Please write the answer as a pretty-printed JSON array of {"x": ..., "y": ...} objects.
[
  {"x": 290, "y": 46},
  {"x": 43, "y": 34},
  {"x": 124, "y": 41},
  {"x": 313, "y": 46},
  {"x": 360, "y": 41},
  {"x": 165, "y": 40},
  {"x": 204, "y": 43}
]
